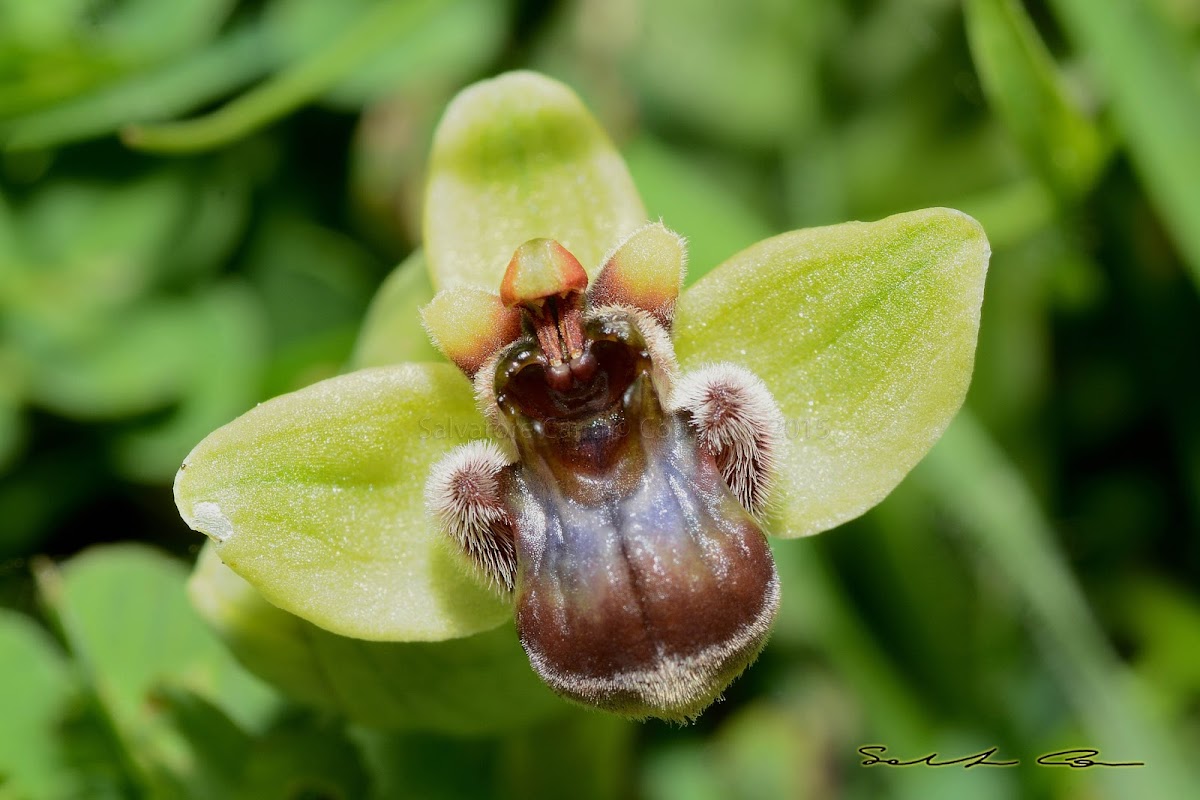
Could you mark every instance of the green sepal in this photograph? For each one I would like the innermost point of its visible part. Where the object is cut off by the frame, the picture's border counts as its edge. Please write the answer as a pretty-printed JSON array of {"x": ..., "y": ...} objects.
[
  {"x": 864, "y": 332},
  {"x": 316, "y": 498}
]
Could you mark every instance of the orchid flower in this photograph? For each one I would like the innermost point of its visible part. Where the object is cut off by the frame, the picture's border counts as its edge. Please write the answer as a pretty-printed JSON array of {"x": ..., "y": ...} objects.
[{"x": 604, "y": 451}]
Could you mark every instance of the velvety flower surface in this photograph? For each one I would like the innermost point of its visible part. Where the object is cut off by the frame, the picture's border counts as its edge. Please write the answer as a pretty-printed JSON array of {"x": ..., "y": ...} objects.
[{"x": 860, "y": 338}]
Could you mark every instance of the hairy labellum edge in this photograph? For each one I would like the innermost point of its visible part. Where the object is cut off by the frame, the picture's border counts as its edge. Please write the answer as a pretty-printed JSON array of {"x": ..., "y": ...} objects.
[{"x": 676, "y": 688}]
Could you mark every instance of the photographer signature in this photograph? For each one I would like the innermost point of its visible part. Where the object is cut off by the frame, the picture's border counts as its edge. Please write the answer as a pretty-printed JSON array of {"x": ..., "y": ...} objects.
[{"x": 1079, "y": 758}]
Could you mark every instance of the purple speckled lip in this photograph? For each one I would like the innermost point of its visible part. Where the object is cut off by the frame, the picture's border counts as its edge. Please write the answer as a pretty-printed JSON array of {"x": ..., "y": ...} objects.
[{"x": 642, "y": 580}]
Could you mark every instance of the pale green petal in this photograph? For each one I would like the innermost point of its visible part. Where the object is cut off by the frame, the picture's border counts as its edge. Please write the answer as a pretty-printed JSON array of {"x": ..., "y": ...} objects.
[
  {"x": 864, "y": 332},
  {"x": 515, "y": 158},
  {"x": 316, "y": 498},
  {"x": 478, "y": 684}
]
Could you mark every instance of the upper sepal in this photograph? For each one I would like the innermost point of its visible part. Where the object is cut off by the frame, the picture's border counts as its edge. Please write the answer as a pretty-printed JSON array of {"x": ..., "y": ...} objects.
[{"x": 516, "y": 158}]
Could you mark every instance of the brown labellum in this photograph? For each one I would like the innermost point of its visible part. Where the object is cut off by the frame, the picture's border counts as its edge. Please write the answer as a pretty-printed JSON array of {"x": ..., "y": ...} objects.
[
  {"x": 643, "y": 586},
  {"x": 626, "y": 528}
]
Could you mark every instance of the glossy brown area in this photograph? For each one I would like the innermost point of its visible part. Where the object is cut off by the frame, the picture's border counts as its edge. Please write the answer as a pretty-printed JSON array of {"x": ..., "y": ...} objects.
[{"x": 643, "y": 585}]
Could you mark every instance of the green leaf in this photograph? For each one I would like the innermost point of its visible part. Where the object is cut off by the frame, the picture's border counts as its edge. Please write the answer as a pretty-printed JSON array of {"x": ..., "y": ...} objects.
[
  {"x": 138, "y": 363},
  {"x": 970, "y": 478},
  {"x": 373, "y": 32},
  {"x": 864, "y": 332},
  {"x": 111, "y": 235},
  {"x": 681, "y": 771},
  {"x": 316, "y": 498},
  {"x": 313, "y": 279},
  {"x": 99, "y": 765},
  {"x": 579, "y": 754},
  {"x": 428, "y": 766},
  {"x": 392, "y": 332},
  {"x": 478, "y": 684},
  {"x": 35, "y": 689},
  {"x": 315, "y": 283},
  {"x": 304, "y": 757},
  {"x": 1163, "y": 618},
  {"x": 225, "y": 330},
  {"x": 456, "y": 41},
  {"x": 456, "y": 44},
  {"x": 122, "y": 370},
  {"x": 12, "y": 423},
  {"x": 515, "y": 158},
  {"x": 1021, "y": 81},
  {"x": 125, "y": 616},
  {"x": 1155, "y": 101},
  {"x": 41, "y": 26},
  {"x": 39, "y": 497},
  {"x": 586, "y": 750},
  {"x": 192, "y": 80},
  {"x": 129, "y": 616},
  {"x": 217, "y": 217},
  {"x": 146, "y": 30},
  {"x": 684, "y": 60},
  {"x": 87, "y": 252},
  {"x": 219, "y": 747}
]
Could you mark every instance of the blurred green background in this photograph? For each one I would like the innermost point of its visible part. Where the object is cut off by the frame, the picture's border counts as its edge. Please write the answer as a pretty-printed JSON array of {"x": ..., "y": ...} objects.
[{"x": 1034, "y": 585}]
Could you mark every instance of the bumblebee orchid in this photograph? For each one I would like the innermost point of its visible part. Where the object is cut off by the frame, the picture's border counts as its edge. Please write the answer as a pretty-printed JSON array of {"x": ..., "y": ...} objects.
[
  {"x": 626, "y": 526},
  {"x": 606, "y": 451}
]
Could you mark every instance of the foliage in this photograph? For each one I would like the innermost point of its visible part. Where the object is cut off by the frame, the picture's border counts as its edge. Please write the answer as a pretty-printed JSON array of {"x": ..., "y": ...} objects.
[{"x": 1031, "y": 585}]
